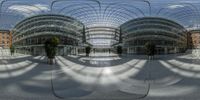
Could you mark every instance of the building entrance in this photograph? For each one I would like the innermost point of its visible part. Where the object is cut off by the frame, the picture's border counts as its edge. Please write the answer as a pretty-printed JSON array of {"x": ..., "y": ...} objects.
[{"x": 102, "y": 50}]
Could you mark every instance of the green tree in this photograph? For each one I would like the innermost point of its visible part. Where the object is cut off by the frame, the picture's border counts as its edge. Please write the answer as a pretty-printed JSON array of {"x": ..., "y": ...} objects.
[
  {"x": 150, "y": 49},
  {"x": 12, "y": 50},
  {"x": 87, "y": 50},
  {"x": 51, "y": 48}
]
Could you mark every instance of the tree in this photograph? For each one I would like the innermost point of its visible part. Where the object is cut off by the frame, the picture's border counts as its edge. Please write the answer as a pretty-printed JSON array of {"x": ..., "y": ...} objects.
[
  {"x": 87, "y": 50},
  {"x": 119, "y": 50},
  {"x": 51, "y": 48},
  {"x": 12, "y": 50},
  {"x": 150, "y": 49}
]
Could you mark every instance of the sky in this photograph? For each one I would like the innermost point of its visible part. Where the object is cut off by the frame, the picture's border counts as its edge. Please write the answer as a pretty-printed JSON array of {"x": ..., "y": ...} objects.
[{"x": 185, "y": 12}]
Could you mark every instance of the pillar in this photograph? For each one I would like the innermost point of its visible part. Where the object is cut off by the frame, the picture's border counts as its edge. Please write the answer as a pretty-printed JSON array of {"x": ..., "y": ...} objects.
[
  {"x": 128, "y": 50},
  {"x": 175, "y": 50},
  {"x": 166, "y": 50},
  {"x": 64, "y": 51},
  {"x": 76, "y": 50}
]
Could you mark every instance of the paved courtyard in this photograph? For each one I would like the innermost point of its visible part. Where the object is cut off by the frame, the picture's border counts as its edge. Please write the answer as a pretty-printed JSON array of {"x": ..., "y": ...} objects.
[{"x": 100, "y": 77}]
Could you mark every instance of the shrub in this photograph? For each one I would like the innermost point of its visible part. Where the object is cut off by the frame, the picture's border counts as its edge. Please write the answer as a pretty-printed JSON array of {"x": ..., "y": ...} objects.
[
  {"x": 12, "y": 50},
  {"x": 150, "y": 48},
  {"x": 51, "y": 48},
  {"x": 87, "y": 50},
  {"x": 119, "y": 50}
]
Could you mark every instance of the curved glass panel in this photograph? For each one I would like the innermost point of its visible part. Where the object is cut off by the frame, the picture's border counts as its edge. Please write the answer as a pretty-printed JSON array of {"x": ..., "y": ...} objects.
[{"x": 122, "y": 63}]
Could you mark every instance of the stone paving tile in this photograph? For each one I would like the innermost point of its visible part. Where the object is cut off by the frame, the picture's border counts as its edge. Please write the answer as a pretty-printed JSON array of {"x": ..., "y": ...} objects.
[{"x": 23, "y": 77}]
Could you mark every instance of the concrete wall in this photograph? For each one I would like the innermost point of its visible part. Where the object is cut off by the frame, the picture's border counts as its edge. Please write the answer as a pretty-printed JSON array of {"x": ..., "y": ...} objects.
[
  {"x": 196, "y": 53},
  {"x": 4, "y": 52}
]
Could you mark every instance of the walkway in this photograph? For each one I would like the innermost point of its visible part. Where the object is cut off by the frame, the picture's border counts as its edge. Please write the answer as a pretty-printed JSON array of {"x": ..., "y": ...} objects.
[{"x": 172, "y": 77}]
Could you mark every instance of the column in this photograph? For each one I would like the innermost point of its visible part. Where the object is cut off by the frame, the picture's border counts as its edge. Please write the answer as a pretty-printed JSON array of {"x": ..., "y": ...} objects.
[
  {"x": 175, "y": 50},
  {"x": 76, "y": 50},
  {"x": 64, "y": 49},
  {"x": 166, "y": 50},
  {"x": 128, "y": 51}
]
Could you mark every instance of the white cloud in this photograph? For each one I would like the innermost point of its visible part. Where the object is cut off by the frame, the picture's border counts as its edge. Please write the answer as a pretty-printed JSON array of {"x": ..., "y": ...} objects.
[
  {"x": 175, "y": 6},
  {"x": 28, "y": 10},
  {"x": 43, "y": 7}
]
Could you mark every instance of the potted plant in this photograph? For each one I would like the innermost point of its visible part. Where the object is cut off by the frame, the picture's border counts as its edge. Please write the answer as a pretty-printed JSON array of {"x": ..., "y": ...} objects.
[
  {"x": 12, "y": 50},
  {"x": 87, "y": 50},
  {"x": 119, "y": 50},
  {"x": 51, "y": 48},
  {"x": 150, "y": 49}
]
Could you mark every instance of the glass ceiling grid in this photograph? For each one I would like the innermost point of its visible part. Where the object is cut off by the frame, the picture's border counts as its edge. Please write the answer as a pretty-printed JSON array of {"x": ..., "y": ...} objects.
[{"x": 104, "y": 13}]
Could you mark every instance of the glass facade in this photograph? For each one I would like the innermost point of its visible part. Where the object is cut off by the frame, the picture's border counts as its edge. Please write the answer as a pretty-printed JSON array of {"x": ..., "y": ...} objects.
[
  {"x": 105, "y": 50},
  {"x": 30, "y": 34},
  {"x": 169, "y": 36},
  {"x": 102, "y": 37}
]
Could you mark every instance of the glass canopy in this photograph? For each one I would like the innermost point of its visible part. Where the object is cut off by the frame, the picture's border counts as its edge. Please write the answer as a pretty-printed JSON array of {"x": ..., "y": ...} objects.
[{"x": 102, "y": 13}]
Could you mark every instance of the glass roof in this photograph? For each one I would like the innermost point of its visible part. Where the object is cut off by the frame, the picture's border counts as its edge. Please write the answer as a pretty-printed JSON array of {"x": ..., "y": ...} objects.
[
  {"x": 102, "y": 12},
  {"x": 97, "y": 13}
]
